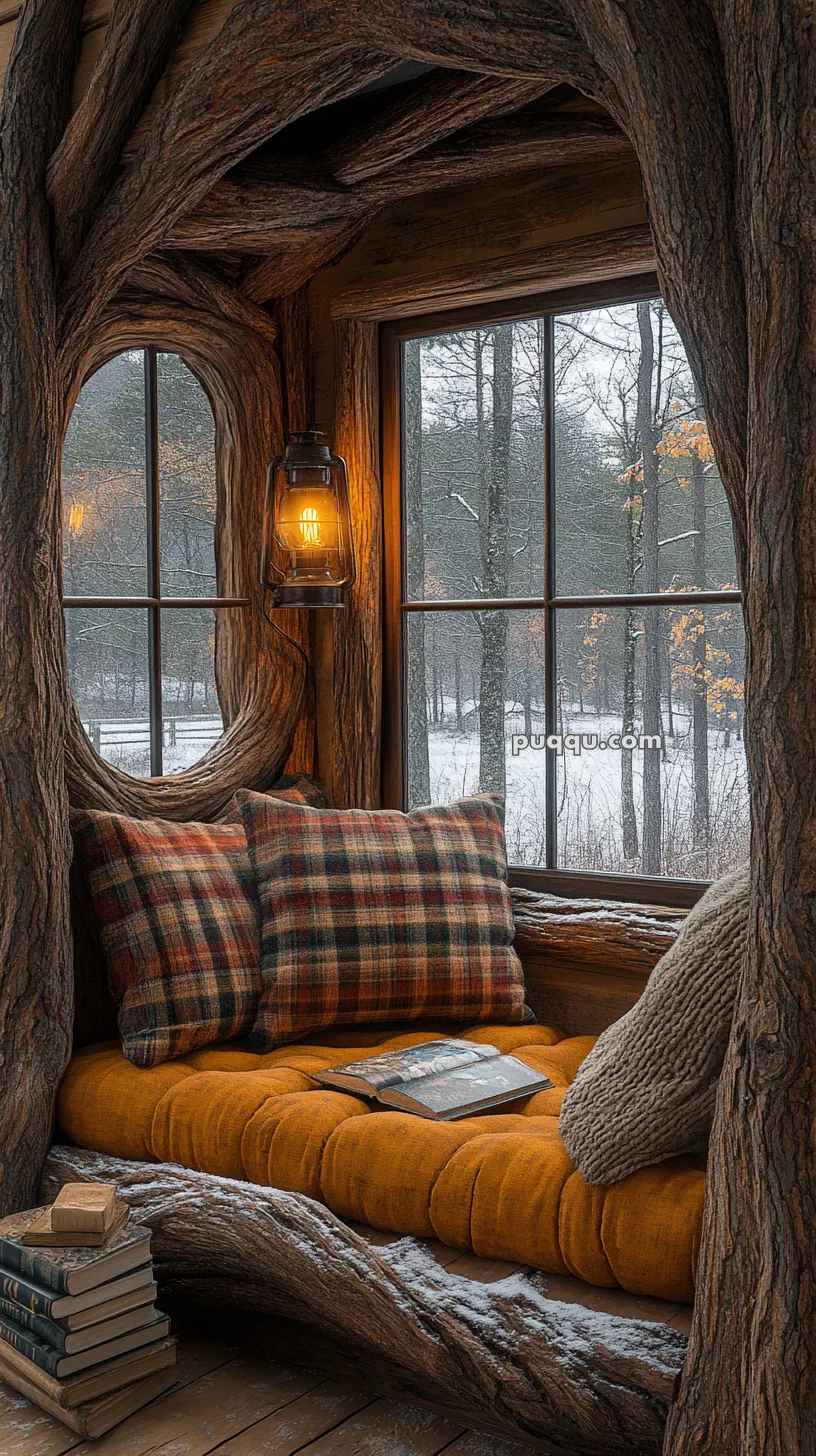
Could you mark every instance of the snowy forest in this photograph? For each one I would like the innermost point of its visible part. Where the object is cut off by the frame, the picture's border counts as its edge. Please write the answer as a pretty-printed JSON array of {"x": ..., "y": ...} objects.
[
  {"x": 105, "y": 554},
  {"x": 638, "y": 508}
]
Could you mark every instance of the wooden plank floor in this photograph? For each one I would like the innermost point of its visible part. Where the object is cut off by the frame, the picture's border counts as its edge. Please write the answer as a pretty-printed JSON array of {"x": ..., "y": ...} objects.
[{"x": 226, "y": 1401}]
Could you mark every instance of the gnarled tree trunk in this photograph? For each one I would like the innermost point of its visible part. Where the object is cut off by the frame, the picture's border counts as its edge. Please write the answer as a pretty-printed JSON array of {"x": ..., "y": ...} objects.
[
  {"x": 717, "y": 99},
  {"x": 36, "y": 993}
]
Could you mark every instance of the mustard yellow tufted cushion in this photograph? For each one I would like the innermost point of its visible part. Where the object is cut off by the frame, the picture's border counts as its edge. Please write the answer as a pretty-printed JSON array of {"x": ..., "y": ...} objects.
[{"x": 501, "y": 1184}]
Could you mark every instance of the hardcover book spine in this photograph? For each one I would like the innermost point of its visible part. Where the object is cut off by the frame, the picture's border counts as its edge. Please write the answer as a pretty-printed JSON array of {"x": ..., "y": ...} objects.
[
  {"x": 44, "y": 1329},
  {"x": 33, "y": 1263},
  {"x": 27, "y": 1344},
  {"x": 20, "y": 1292}
]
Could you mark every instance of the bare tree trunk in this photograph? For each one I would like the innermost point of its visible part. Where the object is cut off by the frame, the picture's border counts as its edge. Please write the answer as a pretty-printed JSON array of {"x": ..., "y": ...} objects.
[
  {"x": 418, "y": 765},
  {"x": 699, "y": 685},
  {"x": 494, "y": 520},
  {"x": 36, "y": 991},
  {"x": 651, "y": 860},
  {"x": 457, "y": 667}
]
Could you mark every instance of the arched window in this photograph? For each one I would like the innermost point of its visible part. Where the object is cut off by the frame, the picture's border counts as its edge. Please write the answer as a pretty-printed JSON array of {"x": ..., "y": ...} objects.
[{"x": 139, "y": 569}]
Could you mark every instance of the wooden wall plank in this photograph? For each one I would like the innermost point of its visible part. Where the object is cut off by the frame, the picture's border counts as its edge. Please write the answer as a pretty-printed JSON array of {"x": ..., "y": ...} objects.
[
  {"x": 355, "y": 767},
  {"x": 595, "y": 258},
  {"x": 577, "y": 1001}
]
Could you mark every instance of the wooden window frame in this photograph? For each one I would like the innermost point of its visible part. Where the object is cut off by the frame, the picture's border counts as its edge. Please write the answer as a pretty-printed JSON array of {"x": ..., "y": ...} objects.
[
  {"x": 641, "y": 889},
  {"x": 153, "y": 601}
]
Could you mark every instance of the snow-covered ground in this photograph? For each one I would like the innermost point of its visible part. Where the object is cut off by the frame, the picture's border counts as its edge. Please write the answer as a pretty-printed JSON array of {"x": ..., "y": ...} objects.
[
  {"x": 589, "y": 787},
  {"x": 127, "y": 744},
  {"x": 589, "y": 796}
]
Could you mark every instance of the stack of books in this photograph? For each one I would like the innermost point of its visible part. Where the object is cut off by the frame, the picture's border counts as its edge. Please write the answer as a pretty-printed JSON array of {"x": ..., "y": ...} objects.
[{"x": 80, "y": 1334}]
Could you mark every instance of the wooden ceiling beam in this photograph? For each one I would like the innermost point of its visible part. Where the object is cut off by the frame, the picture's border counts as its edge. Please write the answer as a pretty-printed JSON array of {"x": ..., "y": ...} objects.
[
  {"x": 272, "y": 202},
  {"x": 287, "y": 268},
  {"x": 263, "y": 202},
  {"x": 137, "y": 43},
  {"x": 499, "y": 147},
  {"x": 429, "y": 112}
]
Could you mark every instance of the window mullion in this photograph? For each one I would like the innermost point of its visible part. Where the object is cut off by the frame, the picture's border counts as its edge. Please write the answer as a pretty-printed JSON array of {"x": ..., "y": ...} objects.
[{"x": 153, "y": 485}]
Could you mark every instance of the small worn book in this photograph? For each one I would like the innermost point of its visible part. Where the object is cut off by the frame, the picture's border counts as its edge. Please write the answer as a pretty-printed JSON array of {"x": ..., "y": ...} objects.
[
  {"x": 93, "y": 1420},
  {"x": 439, "y": 1079},
  {"x": 36, "y": 1296},
  {"x": 43, "y": 1233},
  {"x": 70, "y": 1342},
  {"x": 54, "y": 1362},
  {"x": 71, "y": 1271},
  {"x": 84, "y": 1208},
  {"x": 87, "y": 1385},
  {"x": 92, "y": 1402}
]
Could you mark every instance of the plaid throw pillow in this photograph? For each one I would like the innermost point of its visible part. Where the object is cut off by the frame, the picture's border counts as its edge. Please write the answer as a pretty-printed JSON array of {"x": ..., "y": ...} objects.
[
  {"x": 177, "y": 921},
  {"x": 381, "y": 916}
]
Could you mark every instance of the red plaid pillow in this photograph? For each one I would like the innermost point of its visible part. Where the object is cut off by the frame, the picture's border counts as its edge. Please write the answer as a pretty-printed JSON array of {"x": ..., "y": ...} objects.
[
  {"x": 381, "y": 916},
  {"x": 177, "y": 920}
]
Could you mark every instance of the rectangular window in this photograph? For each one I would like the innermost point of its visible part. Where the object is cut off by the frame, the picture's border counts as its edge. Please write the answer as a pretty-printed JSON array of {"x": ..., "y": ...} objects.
[{"x": 569, "y": 628}]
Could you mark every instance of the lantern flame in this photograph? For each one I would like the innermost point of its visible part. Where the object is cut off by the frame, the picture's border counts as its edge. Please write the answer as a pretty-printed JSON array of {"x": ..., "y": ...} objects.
[{"x": 310, "y": 526}]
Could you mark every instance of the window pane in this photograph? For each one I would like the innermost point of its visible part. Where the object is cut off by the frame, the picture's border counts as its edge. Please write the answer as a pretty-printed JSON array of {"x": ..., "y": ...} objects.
[
  {"x": 190, "y": 714},
  {"x": 639, "y": 503},
  {"x": 473, "y": 682},
  {"x": 474, "y": 501},
  {"x": 679, "y": 809},
  {"x": 103, "y": 484},
  {"x": 107, "y": 661},
  {"x": 187, "y": 476}
]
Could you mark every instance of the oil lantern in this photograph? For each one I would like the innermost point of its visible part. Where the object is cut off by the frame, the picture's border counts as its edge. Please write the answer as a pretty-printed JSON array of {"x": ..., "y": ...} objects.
[{"x": 307, "y": 551}]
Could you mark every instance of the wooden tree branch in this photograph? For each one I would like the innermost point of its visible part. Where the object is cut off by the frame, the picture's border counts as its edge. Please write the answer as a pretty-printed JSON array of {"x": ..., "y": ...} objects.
[
  {"x": 137, "y": 42},
  {"x": 265, "y": 204},
  {"x": 531, "y": 39},
  {"x": 556, "y": 1375},
  {"x": 231, "y": 346},
  {"x": 35, "y": 959},
  {"x": 286, "y": 270},
  {"x": 595, "y": 932},
  {"x": 253, "y": 79},
  {"x": 269, "y": 198},
  {"x": 431, "y": 110},
  {"x": 500, "y": 148},
  {"x": 748, "y": 1383}
]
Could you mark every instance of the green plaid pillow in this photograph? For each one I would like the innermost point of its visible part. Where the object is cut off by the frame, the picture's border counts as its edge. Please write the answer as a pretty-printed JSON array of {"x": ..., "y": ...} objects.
[
  {"x": 371, "y": 916},
  {"x": 177, "y": 920}
]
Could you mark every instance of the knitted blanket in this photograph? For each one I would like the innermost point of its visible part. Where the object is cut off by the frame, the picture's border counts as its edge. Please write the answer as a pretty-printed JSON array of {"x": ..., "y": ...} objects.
[{"x": 647, "y": 1089}]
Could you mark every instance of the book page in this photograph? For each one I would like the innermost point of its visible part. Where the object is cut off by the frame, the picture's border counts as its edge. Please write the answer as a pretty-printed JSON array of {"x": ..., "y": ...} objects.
[
  {"x": 463, "y": 1086},
  {"x": 410, "y": 1064}
]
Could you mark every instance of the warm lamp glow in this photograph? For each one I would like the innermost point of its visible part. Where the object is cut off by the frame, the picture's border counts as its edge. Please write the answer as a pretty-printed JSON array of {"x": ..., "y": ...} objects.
[
  {"x": 76, "y": 518},
  {"x": 307, "y": 554},
  {"x": 310, "y": 527}
]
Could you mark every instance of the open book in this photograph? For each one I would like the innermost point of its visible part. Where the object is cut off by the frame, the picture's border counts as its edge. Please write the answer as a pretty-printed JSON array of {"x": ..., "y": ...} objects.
[{"x": 439, "y": 1079}]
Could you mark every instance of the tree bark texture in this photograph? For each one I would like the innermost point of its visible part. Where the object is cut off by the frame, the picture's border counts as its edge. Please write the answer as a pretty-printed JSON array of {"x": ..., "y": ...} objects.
[
  {"x": 231, "y": 345},
  {"x": 358, "y": 625},
  {"x": 556, "y": 1376},
  {"x": 606, "y": 933},
  {"x": 717, "y": 99},
  {"x": 36, "y": 991}
]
